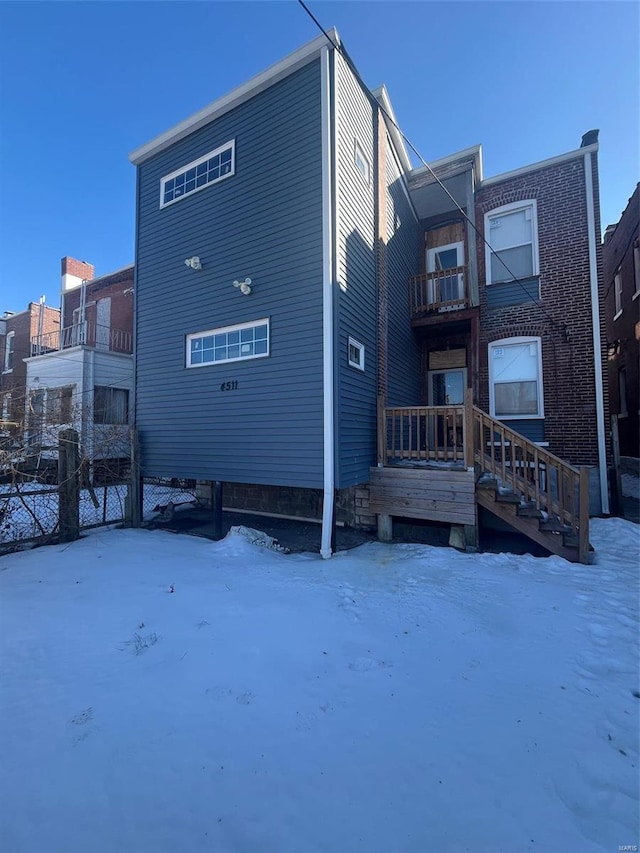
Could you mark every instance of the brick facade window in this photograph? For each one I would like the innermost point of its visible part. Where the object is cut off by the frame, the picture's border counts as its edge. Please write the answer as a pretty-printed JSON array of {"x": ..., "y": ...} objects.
[
  {"x": 9, "y": 350},
  {"x": 512, "y": 234},
  {"x": 515, "y": 378},
  {"x": 617, "y": 288}
]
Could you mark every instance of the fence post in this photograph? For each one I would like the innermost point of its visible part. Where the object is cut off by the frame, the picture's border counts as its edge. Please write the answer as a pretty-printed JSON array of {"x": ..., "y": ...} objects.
[
  {"x": 216, "y": 501},
  {"x": 583, "y": 509},
  {"x": 469, "y": 442},
  {"x": 68, "y": 485},
  {"x": 134, "y": 487}
]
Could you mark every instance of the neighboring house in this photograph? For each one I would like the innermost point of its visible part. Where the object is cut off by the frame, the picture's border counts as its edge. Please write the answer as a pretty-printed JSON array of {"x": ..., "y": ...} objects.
[
  {"x": 81, "y": 375},
  {"x": 16, "y": 332},
  {"x": 621, "y": 254},
  {"x": 295, "y": 277}
]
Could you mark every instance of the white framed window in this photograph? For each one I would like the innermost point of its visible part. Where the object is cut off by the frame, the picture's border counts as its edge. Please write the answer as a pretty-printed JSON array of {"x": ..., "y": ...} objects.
[
  {"x": 230, "y": 343},
  {"x": 515, "y": 378},
  {"x": 59, "y": 404},
  {"x": 617, "y": 291},
  {"x": 355, "y": 354},
  {"x": 362, "y": 162},
  {"x": 9, "y": 351},
  {"x": 622, "y": 390},
  {"x": 512, "y": 234},
  {"x": 206, "y": 170},
  {"x": 636, "y": 267}
]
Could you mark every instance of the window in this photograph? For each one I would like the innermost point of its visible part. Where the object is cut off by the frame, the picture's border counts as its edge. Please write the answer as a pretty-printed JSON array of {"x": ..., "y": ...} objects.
[
  {"x": 231, "y": 343},
  {"x": 617, "y": 289},
  {"x": 9, "y": 350},
  {"x": 515, "y": 378},
  {"x": 201, "y": 173},
  {"x": 622, "y": 388},
  {"x": 636, "y": 266},
  {"x": 356, "y": 354},
  {"x": 110, "y": 405},
  {"x": 362, "y": 164},
  {"x": 58, "y": 405},
  {"x": 6, "y": 407},
  {"x": 512, "y": 234}
]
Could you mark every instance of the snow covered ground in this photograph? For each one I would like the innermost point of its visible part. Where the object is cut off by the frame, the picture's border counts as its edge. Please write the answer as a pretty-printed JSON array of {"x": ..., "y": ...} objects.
[{"x": 164, "y": 693}]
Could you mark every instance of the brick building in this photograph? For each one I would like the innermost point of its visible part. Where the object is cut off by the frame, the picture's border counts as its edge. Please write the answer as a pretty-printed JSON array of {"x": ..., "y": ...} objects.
[
  {"x": 16, "y": 333},
  {"x": 621, "y": 261}
]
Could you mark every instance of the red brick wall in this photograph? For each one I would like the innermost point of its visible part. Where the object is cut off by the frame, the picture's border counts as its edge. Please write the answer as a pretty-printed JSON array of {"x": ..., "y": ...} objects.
[
  {"x": 81, "y": 269},
  {"x": 623, "y": 334},
  {"x": 562, "y": 319},
  {"x": 113, "y": 286},
  {"x": 25, "y": 326}
]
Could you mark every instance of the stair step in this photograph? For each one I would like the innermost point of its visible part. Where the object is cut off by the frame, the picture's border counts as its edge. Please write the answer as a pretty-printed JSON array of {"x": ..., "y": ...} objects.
[
  {"x": 507, "y": 498},
  {"x": 554, "y": 525},
  {"x": 529, "y": 511},
  {"x": 486, "y": 482}
]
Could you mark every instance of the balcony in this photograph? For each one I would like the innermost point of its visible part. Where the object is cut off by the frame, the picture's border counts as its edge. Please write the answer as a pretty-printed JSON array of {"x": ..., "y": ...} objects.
[
  {"x": 439, "y": 292},
  {"x": 83, "y": 334}
]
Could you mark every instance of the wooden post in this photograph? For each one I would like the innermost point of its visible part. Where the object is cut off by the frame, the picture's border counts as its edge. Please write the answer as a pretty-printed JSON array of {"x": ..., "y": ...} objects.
[
  {"x": 382, "y": 432},
  {"x": 469, "y": 442},
  {"x": 68, "y": 485},
  {"x": 583, "y": 532},
  {"x": 216, "y": 506},
  {"x": 134, "y": 514},
  {"x": 385, "y": 528},
  {"x": 617, "y": 475}
]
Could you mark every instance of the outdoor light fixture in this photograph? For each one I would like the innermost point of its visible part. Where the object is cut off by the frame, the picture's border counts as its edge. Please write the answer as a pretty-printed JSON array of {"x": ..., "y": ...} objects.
[
  {"x": 194, "y": 263},
  {"x": 245, "y": 286}
]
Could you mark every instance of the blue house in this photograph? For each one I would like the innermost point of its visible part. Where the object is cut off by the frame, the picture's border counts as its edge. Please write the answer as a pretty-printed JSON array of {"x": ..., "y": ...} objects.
[{"x": 316, "y": 320}]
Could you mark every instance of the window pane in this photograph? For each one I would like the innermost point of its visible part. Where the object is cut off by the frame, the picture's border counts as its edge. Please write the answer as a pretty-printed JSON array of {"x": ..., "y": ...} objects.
[
  {"x": 201, "y": 169},
  {"x": 234, "y": 351},
  {"x": 246, "y": 335},
  {"x": 234, "y": 337},
  {"x": 260, "y": 347},
  {"x": 515, "y": 362},
  {"x": 519, "y": 262},
  {"x": 447, "y": 259},
  {"x": 510, "y": 229},
  {"x": 190, "y": 186},
  {"x": 516, "y": 398},
  {"x": 261, "y": 333}
]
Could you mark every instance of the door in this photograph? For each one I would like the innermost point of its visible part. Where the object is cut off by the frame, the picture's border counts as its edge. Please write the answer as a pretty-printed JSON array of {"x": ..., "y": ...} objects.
[
  {"x": 446, "y": 387},
  {"x": 442, "y": 287},
  {"x": 103, "y": 323}
]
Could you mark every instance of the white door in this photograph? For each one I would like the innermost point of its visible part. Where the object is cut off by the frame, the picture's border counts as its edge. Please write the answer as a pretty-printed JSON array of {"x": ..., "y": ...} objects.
[
  {"x": 103, "y": 323},
  {"x": 445, "y": 288}
]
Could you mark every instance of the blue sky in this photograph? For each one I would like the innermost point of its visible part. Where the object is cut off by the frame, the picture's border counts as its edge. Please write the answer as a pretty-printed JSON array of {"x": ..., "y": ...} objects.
[{"x": 82, "y": 84}]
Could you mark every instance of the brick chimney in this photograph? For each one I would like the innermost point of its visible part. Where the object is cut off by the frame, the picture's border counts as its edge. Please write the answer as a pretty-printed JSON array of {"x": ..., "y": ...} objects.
[{"x": 74, "y": 273}]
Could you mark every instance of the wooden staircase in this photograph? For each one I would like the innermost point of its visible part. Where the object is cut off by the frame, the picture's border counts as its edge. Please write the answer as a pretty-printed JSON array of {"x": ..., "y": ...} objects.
[{"x": 521, "y": 483}]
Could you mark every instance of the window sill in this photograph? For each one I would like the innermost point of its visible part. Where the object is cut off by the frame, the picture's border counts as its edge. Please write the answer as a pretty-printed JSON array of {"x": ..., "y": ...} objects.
[
  {"x": 7, "y": 371},
  {"x": 635, "y": 295},
  {"x": 619, "y": 314}
]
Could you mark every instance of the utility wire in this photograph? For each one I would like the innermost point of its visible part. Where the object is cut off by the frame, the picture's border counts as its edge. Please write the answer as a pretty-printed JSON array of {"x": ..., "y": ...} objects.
[{"x": 340, "y": 47}]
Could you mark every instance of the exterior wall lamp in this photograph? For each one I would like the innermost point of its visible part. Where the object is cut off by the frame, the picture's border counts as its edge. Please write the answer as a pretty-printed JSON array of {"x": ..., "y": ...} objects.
[
  {"x": 194, "y": 263},
  {"x": 245, "y": 286}
]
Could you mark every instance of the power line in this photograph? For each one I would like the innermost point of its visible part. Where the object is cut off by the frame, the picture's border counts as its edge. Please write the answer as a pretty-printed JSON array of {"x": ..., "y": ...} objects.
[{"x": 374, "y": 101}]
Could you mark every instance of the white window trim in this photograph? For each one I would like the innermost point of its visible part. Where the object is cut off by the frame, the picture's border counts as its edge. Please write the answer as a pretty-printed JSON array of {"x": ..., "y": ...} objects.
[
  {"x": 360, "y": 347},
  {"x": 511, "y": 208},
  {"x": 617, "y": 295},
  {"x": 224, "y": 330},
  {"x": 431, "y": 254},
  {"x": 227, "y": 145},
  {"x": 492, "y": 401},
  {"x": 358, "y": 151},
  {"x": 7, "y": 349}
]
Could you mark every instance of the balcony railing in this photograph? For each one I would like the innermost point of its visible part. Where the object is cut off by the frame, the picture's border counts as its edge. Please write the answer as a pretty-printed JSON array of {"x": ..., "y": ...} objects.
[
  {"x": 82, "y": 334},
  {"x": 440, "y": 291}
]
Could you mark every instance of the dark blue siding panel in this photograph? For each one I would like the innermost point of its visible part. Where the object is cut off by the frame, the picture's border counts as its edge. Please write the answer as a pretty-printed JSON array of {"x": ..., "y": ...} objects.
[
  {"x": 509, "y": 293},
  {"x": 356, "y": 286},
  {"x": 265, "y": 222},
  {"x": 531, "y": 428},
  {"x": 403, "y": 260}
]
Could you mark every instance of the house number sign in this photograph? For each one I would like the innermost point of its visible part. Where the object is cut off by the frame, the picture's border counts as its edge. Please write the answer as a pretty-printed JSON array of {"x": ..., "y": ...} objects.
[{"x": 229, "y": 386}]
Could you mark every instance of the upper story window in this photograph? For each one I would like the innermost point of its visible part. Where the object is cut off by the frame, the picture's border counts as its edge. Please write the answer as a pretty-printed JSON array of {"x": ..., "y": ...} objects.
[
  {"x": 636, "y": 266},
  {"x": 9, "y": 350},
  {"x": 515, "y": 378},
  {"x": 230, "y": 343},
  {"x": 617, "y": 292},
  {"x": 209, "y": 169},
  {"x": 512, "y": 234},
  {"x": 362, "y": 163},
  {"x": 356, "y": 354}
]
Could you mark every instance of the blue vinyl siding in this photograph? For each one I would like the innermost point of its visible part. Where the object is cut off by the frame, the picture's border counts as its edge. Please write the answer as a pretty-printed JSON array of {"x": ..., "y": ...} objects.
[
  {"x": 356, "y": 285},
  {"x": 508, "y": 293},
  {"x": 531, "y": 428},
  {"x": 264, "y": 222},
  {"x": 404, "y": 239}
]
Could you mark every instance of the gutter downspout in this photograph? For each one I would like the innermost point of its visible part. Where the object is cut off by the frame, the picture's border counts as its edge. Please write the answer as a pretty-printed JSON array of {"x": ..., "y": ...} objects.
[
  {"x": 327, "y": 311},
  {"x": 597, "y": 345}
]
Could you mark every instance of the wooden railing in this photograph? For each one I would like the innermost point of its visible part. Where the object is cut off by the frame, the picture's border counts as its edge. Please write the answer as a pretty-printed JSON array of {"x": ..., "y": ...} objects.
[
  {"x": 443, "y": 290},
  {"x": 85, "y": 334},
  {"x": 469, "y": 435}
]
